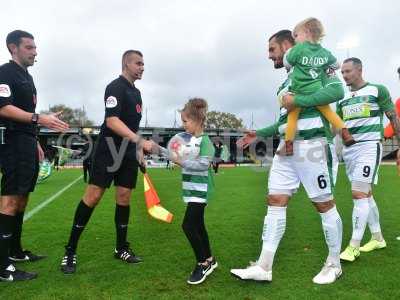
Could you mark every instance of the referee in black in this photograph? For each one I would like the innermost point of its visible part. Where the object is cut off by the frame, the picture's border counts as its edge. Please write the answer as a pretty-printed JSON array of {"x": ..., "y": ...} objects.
[
  {"x": 19, "y": 150},
  {"x": 114, "y": 160}
]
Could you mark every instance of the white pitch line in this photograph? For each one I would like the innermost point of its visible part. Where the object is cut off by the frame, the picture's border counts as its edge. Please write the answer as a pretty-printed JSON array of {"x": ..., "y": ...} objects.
[{"x": 34, "y": 211}]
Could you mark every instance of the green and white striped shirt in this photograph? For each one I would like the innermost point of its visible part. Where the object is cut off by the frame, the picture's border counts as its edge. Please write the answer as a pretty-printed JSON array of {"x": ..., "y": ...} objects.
[
  {"x": 311, "y": 123},
  {"x": 196, "y": 177},
  {"x": 362, "y": 111}
]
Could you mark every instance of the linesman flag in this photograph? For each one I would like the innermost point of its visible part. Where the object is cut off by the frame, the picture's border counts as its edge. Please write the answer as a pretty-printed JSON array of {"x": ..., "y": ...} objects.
[{"x": 153, "y": 204}]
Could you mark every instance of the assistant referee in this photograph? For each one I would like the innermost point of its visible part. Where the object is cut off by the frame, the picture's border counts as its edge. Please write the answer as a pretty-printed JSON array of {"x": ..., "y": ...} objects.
[
  {"x": 19, "y": 150},
  {"x": 114, "y": 160}
]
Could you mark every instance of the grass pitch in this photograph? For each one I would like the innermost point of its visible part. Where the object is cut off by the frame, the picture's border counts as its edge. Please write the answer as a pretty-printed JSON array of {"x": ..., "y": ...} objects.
[{"x": 234, "y": 218}]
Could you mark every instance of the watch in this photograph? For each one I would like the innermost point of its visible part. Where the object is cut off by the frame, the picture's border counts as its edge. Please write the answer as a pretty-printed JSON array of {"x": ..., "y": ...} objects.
[{"x": 35, "y": 118}]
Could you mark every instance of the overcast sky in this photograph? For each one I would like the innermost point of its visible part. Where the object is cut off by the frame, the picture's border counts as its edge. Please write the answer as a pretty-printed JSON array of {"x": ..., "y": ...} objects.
[{"x": 212, "y": 49}]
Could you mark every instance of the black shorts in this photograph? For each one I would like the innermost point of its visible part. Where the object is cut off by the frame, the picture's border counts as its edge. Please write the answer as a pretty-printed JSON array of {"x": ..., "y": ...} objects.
[
  {"x": 103, "y": 171},
  {"x": 19, "y": 162}
]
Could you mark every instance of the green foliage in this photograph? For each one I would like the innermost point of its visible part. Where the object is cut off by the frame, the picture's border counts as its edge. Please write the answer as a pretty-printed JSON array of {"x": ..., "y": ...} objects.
[
  {"x": 221, "y": 120},
  {"x": 73, "y": 116}
]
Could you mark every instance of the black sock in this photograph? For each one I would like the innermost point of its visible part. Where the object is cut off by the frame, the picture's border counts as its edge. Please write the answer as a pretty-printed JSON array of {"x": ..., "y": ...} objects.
[
  {"x": 121, "y": 224},
  {"x": 7, "y": 225},
  {"x": 82, "y": 216},
  {"x": 16, "y": 246}
]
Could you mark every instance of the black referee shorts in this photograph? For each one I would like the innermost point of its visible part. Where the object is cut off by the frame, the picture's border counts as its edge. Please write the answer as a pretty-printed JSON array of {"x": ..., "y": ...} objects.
[
  {"x": 100, "y": 174},
  {"x": 19, "y": 162}
]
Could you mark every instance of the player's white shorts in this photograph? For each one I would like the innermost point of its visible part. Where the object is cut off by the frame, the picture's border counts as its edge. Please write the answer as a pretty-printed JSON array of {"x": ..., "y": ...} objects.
[
  {"x": 362, "y": 161},
  {"x": 313, "y": 164},
  {"x": 335, "y": 162}
]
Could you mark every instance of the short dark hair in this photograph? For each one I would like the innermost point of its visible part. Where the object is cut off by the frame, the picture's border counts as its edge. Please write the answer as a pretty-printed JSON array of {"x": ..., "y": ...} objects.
[
  {"x": 354, "y": 60},
  {"x": 398, "y": 70},
  {"x": 283, "y": 35},
  {"x": 14, "y": 37},
  {"x": 128, "y": 53}
]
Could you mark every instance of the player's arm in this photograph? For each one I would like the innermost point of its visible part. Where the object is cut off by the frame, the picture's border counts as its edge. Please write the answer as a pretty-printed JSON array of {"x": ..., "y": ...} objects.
[
  {"x": 385, "y": 104},
  {"x": 332, "y": 91},
  {"x": 391, "y": 114},
  {"x": 251, "y": 135},
  {"x": 394, "y": 121},
  {"x": 268, "y": 131}
]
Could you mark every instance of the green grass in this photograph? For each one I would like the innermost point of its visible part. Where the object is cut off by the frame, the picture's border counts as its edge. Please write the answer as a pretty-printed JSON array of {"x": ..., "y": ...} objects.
[{"x": 234, "y": 219}]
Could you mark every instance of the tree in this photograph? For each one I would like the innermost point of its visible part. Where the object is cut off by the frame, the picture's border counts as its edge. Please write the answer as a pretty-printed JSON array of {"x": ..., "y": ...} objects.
[
  {"x": 220, "y": 120},
  {"x": 72, "y": 116}
]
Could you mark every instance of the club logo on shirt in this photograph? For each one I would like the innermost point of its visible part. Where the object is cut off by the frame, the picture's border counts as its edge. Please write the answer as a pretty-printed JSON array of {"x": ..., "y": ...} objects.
[
  {"x": 111, "y": 102},
  {"x": 138, "y": 108},
  {"x": 34, "y": 99},
  {"x": 5, "y": 90}
]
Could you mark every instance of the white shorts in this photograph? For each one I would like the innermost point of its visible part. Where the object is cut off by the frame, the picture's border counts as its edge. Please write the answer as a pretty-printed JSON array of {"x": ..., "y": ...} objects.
[
  {"x": 362, "y": 161},
  {"x": 335, "y": 162},
  {"x": 312, "y": 165}
]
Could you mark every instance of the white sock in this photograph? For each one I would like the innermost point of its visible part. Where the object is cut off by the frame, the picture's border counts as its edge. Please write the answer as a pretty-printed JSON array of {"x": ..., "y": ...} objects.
[
  {"x": 359, "y": 218},
  {"x": 333, "y": 228},
  {"x": 373, "y": 220},
  {"x": 274, "y": 228}
]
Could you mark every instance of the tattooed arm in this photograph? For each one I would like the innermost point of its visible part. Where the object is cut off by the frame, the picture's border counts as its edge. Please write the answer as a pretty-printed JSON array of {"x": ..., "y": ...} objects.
[{"x": 391, "y": 114}]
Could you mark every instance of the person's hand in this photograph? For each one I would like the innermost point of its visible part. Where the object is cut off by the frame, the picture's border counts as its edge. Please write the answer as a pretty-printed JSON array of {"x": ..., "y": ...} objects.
[
  {"x": 40, "y": 152},
  {"x": 245, "y": 141},
  {"x": 149, "y": 146},
  {"x": 53, "y": 122},
  {"x": 288, "y": 101},
  {"x": 173, "y": 156},
  {"x": 398, "y": 162}
]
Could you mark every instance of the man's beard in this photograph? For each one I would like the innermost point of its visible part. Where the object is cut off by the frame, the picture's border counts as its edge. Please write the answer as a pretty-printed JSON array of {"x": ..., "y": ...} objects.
[{"x": 278, "y": 64}]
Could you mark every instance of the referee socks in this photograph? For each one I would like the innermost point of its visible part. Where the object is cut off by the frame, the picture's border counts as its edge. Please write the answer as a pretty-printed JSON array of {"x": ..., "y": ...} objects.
[
  {"x": 7, "y": 224},
  {"x": 82, "y": 216},
  {"x": 121, "y": 224},
  {"x": 16, "y": 246}
]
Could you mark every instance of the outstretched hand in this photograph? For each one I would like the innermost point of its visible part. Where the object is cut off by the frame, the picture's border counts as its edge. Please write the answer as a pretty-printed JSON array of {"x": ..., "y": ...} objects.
[
  {"x": 53, "y": 122},
  {"x": 245, "y": 141}
]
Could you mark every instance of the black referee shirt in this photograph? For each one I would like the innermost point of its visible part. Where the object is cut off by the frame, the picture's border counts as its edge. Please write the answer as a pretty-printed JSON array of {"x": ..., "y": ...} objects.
[
  {"x": 17, "y": 88},
  {"x": 123, "y": 100}
]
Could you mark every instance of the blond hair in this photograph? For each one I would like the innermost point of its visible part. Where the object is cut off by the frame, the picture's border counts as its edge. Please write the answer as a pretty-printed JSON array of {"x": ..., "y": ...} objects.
[
  {"x": 196, "y": 110},
  {"x": 314, "y": 27}
]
